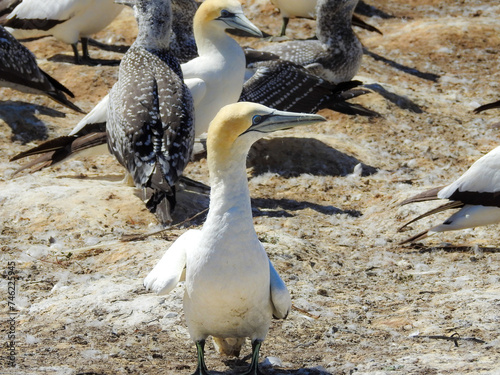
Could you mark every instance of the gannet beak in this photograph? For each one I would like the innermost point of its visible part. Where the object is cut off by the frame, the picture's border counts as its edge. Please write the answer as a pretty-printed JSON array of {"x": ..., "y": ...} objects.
[
  {"x": 129, "y": 3},
  {"x": 240, "y": 22},
  {"x": 280, "y": 120}
]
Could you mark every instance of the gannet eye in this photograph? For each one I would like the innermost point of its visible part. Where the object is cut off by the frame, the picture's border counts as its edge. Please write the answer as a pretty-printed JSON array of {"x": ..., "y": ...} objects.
[
  {"x": 257, "y": 119},
  {"x": 225, "y": 13}
]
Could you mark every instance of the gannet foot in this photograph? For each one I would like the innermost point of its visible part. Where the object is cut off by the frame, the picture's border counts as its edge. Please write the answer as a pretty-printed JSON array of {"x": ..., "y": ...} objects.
[
  {"x": 202, "y": 368},
  {"x": 254, "y": 365}
]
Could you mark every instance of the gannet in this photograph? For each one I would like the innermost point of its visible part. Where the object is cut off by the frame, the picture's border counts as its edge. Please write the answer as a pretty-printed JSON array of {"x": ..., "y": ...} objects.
[
  {"x": 476, "y": 193},
  {"x": 231, "y": 289},
  {"x": 66, "y": 20},
  {"x": 150, "y": 126},
  {"x": 216, "y": 76},
  {"x": 19, "y": 70},
  {"x": 336, "y": 55},
  {"x": 215, "y": 79},
  {"x": 307, "y": 9}
]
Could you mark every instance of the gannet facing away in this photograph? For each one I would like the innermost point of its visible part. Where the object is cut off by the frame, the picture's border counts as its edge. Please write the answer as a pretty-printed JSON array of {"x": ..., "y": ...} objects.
[
  {"x": 66, "y": 20},
  {"x": 476, "y": 193},
  {"x": 150, "y": 127},
  {"x": 19, "y": 70},
  {"x": 336, "y": 55},
  {"x": 231, "y": 290}
]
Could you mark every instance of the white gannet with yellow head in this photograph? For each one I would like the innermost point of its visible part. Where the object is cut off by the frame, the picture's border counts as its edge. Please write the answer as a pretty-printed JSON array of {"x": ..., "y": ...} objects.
[{"x": 232, "y": 290}]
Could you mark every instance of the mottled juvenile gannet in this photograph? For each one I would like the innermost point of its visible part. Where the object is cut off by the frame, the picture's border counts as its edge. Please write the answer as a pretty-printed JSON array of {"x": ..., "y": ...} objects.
[
  {"x": 66, "y": 20},
  {"x": 19, "y": 70},
  {"x": 307, "y": 9},
  {"x": 150, "y": 127},
  {"x": 476, "y": 193},
  {"x": 231, "y": 290},
  {"x": 336, "y": 55}
]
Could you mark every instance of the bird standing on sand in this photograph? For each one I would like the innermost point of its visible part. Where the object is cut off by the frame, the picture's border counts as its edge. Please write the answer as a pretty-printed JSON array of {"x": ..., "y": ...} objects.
[
  {"x": 19, "y": 70},
  {"x": 476, "y": 193},
  {"x": 66, "y": 20},
  {"x": 150, "y": 126},
  {"x": 336, "y": 55},
  {"x": 231, "y": 290},
  {"x": 307, "y": 9}
]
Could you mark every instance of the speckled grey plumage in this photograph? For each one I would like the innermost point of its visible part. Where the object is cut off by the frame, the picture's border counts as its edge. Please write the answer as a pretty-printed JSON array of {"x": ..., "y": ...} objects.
[
  {"x": 336, "y": 55},
  {"x": 287, "y": 86},
  {"x": 19, "y": 70},
  {"x": 150, "y": 115},
  {"x": 182, "y": 42}
]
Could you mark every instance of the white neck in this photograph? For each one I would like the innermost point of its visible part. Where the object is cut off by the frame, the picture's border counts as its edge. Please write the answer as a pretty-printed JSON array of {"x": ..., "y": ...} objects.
[
  {"x": 212, "y": 39},
  {"x": 230, "y": 196}
]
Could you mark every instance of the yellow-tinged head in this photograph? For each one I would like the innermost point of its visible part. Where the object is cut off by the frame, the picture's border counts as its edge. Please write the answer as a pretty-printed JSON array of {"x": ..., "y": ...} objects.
[
  {"x": 238, "y": 125},
  {"x": 222, "y": 14}
]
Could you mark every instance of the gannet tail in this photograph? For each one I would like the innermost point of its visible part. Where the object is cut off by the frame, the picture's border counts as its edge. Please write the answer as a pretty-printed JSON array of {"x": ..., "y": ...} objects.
[{"x": 229, "y": 346}]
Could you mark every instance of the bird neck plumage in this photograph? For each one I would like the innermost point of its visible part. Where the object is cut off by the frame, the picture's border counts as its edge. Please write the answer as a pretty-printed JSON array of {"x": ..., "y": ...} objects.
[
  {"x": 154, "y": 29},
  {"x": 329, "y": 25},
  {"x": 229, "y": 187}
]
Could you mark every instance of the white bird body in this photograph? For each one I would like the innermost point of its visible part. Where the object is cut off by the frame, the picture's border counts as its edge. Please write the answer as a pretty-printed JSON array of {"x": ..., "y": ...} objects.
[
  {"x": 76, "y": 18},
  {"x": 482, "y": 176},
  {"x": 216, "y": 76},
  {"x": 476, "y": 193},
  {"x": 296, "y": 8},
  {"x": 231, "y": 288}
]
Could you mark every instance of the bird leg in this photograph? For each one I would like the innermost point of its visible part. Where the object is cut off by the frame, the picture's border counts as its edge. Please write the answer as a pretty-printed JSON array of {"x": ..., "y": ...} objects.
[
  {"x": 75, "y": 52},
  {"x": 254, "y": 365},
  {"x": 284, "y": 25},
  {"x": 202, "y": 368}
]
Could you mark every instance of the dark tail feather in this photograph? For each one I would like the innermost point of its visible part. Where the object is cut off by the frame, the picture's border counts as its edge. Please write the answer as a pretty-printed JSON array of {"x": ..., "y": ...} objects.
[
  {"x": 417, "y": 237},
  {"x": 58, "y": 93},
  {"x": 352, "y": 109},
  {"x": 427, "y": 195},
  {"x": 446, "y": 206},
  {"x": 356, "y": 21},
  {"x": 59, "y": 149},
  {"x": 161, "y": 203},
  {"x": 487, "y": 106}
]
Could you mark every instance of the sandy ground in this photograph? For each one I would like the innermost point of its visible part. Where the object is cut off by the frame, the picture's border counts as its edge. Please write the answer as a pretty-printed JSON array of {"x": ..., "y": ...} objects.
[{"x": 362, "y": 303}]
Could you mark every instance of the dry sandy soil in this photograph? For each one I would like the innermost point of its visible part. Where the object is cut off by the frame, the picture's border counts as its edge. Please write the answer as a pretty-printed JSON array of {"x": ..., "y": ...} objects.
[{"x": 362, "y": 303}]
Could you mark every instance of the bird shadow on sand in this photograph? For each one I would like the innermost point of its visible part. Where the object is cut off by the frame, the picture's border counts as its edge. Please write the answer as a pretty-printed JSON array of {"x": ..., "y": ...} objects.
[
  {"x": 291, "y": 157},
  {"x": 406, "y": 69},
  {"x": 22, "y": 119},
  {"x": 421, "y": 249},
  {"x": 70, "y": 59},
  {"x": 239, "y": 365},
  {"x": 285, "y": 207}
]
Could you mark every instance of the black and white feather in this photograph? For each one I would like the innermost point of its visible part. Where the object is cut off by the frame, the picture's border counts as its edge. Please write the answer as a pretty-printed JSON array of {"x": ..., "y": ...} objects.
[
  {"x": 336, "y": 55},
  {"x": 19, "y": 70},
  {"x": 476, "y": 194},
  {"x": 150, "y": 115},
  {"x": 286, "y": 86}
]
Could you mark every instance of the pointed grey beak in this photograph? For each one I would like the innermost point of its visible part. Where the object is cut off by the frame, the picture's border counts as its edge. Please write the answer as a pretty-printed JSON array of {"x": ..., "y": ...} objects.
[
  {"x": 281, "y": 120},
  {"x": 240, "y": 22},
  {"x": 129, "y": 3}
]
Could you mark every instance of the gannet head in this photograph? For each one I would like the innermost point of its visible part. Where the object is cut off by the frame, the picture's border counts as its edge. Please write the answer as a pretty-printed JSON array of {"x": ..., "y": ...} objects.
[
  {"x": 227, "y": 14},
  {"x": 237, "y": 126}
]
